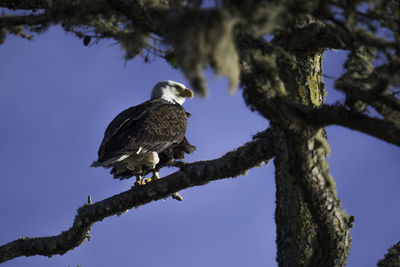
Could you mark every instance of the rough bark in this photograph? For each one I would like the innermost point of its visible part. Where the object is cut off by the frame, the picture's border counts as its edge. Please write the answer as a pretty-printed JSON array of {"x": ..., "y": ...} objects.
[
  {"x": 22, "y": 4},
  {"x": 309, "y": 212},
  {"x": 326, "y": 115},
  {"x": 312, "y": 229}
]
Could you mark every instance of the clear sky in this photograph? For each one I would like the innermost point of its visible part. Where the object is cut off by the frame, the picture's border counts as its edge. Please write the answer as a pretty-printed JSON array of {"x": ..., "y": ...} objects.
[{"x": 56, "y": 99}]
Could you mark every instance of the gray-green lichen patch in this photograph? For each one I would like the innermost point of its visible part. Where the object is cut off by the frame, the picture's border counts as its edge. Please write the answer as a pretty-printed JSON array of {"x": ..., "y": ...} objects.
[{"x": 203, "y": 39}]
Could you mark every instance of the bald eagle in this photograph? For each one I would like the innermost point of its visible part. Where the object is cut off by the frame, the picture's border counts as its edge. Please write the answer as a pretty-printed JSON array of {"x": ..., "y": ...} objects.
[{"x": 146, "y": 137}]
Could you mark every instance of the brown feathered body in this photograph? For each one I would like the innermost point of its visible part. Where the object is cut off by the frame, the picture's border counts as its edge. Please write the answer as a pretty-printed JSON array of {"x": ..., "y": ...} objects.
[{"x": 144, "y": 138}]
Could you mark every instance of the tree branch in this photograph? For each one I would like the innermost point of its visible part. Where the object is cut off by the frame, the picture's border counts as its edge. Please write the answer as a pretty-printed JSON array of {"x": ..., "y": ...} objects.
[
  {"x": 232, "y": 164},
  {"x": 22, "y": 4},
  {"x": 316, "y": 36},
  {"x": 9, "y": 21},
  {"x": 338, "y": 115}
]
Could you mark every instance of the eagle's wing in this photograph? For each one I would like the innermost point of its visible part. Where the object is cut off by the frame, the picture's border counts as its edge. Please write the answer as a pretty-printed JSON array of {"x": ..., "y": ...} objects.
[
  {"x": 121, "y": 120},
  {"x": 151, "y": 126}
]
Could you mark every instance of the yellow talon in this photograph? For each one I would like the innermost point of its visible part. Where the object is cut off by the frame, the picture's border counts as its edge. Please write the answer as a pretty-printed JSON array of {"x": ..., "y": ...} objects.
[
  {"x": 146, "y": 180},
  {"x": 153, "y": 178},
  {"x": 143, "y": 181},
  {"x": 138, "y": 181}
]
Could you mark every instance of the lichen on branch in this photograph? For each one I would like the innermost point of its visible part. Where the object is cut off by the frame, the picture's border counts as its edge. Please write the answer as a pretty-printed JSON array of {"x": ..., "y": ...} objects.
[{"x": 232, "y": 164}]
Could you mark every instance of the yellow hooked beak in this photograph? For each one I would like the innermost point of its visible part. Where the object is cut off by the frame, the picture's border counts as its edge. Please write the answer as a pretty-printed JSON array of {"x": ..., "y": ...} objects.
[{"x": 187, "y": 93}]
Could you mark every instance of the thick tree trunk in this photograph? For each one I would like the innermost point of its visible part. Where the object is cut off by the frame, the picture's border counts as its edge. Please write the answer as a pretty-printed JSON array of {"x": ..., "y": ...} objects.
[
  {"x": 312, "y": 230},
  {"x": 296, "y": 229}
]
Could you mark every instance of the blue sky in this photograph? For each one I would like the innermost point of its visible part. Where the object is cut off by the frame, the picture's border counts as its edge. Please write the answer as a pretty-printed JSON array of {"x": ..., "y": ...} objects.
[{"x": 56, "y": 99}]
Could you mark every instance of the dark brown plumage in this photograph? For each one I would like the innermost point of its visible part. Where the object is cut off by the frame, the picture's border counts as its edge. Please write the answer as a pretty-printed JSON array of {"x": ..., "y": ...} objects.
[
  {"x": 153, "y": 125},
  {"x": 147, "y": 137}
]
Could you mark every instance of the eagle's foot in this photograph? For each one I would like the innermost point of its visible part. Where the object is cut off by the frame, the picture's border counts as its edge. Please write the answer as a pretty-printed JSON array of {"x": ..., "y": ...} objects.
[
  {"x": 139, "y": 181},
  {"x": 153, "y": 178}
]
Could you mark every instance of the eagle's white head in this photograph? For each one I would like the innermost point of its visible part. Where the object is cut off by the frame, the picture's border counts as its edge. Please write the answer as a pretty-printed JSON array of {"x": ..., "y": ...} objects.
[{"x": 171, "y": 91}]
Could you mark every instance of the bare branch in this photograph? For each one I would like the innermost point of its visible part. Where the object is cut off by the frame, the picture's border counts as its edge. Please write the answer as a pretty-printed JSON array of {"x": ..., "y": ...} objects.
[
  {"x": 317, "y": 36},
  {"x": 326, "y": 115},
  {"x": 338, "y": 115},
  {"x": 24, "y": 20},
  {"x": 232, "y": 164},
  {"x": 22, "y": 4}
]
